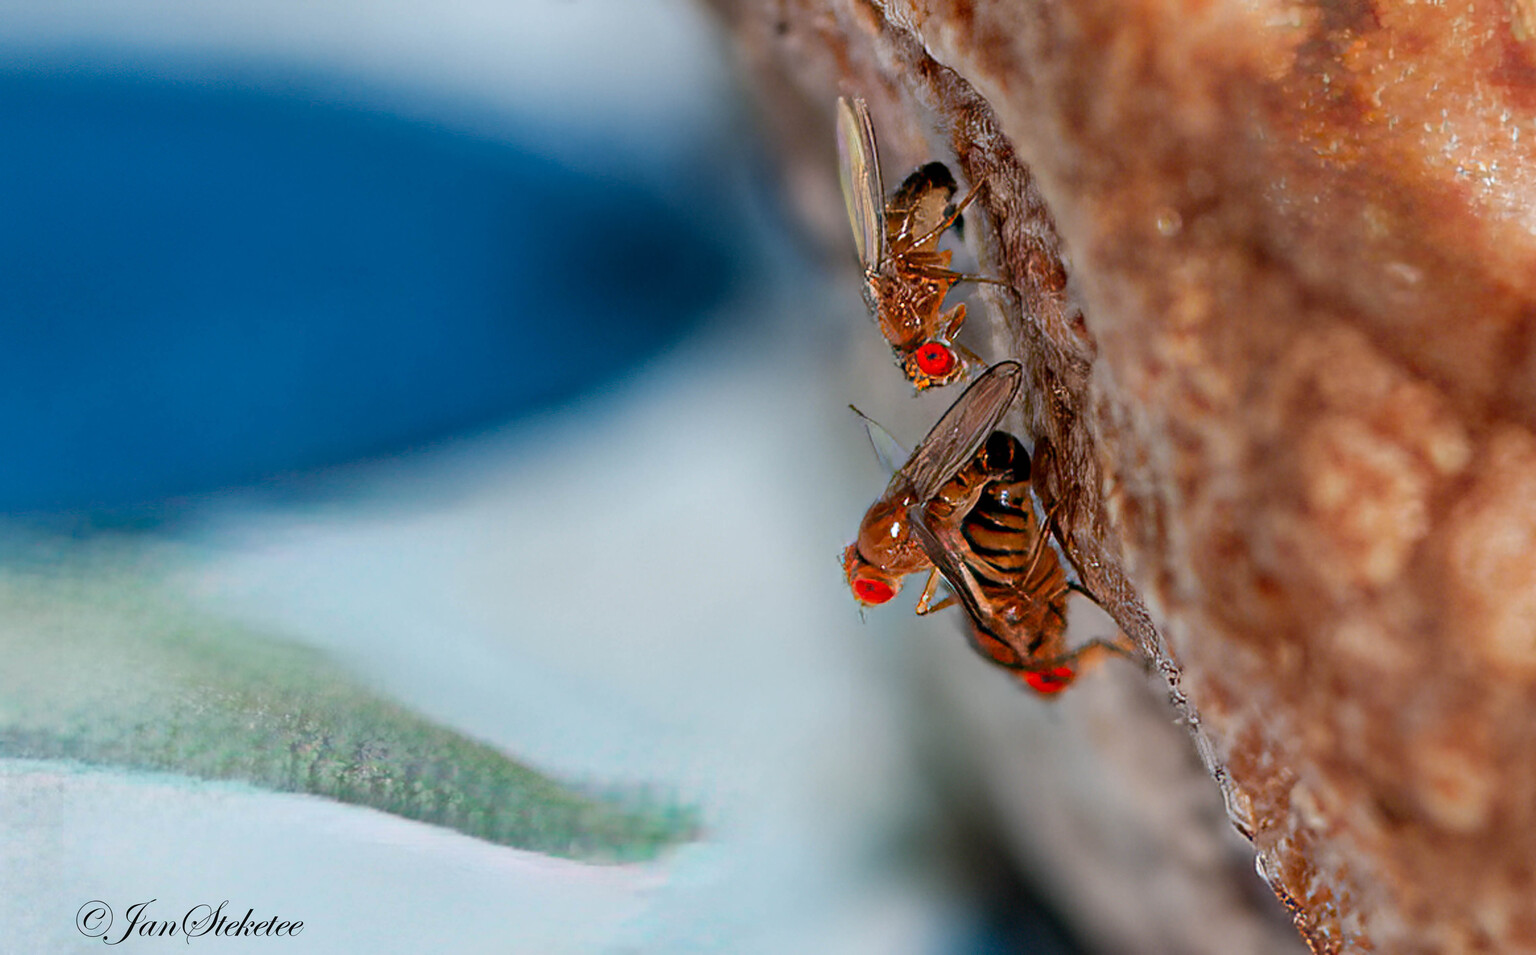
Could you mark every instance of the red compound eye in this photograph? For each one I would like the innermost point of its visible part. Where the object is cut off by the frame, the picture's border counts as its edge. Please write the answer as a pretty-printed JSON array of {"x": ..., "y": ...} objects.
[
  {"x": 1051, "y": 681},
  {"x": 934, "y": 359},
  {"x": 872, "y": 591}
]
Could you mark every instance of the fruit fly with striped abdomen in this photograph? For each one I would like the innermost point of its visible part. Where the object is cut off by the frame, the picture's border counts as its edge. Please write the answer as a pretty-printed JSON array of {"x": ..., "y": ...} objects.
[
  {"x": 884, "y": 552},
  {"x": 998, "y": 565},
  {"x": 906, "y": 276},
  {"x": 961, "y": 509}
]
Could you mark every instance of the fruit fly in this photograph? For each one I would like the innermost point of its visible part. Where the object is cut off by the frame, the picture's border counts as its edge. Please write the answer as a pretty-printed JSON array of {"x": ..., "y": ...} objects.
[
  {"x": 884, "y": 552},
  {"x": 906, "y": 276},
  {"x": 961, "y": 509},
  {"x": 998, "y": 566}
]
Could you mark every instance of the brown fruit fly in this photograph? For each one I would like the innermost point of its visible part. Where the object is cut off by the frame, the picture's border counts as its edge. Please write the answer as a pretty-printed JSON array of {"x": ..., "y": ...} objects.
[
  {"x": 884, "y": 552},
  {"x": 961, "y": 509},
  {"x": 999, "y": 567},
  {"x": 906, "y": 276}
]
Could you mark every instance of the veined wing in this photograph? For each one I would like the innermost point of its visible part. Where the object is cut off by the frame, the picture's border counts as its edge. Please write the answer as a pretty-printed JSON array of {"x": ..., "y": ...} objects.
[
  {"x": 888, "y": 451},
  {"x": 863, "y": 189},
  {"x": 962, "y": 430},
  {"x": 962, "y": 583},
  {"x": 922, "y": 204}
]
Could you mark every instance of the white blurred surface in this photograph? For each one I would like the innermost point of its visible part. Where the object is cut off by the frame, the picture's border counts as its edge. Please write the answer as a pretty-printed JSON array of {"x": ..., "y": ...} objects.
[
  {"x": 360, "y": 881},
  {"x": 643, "y": 589}
]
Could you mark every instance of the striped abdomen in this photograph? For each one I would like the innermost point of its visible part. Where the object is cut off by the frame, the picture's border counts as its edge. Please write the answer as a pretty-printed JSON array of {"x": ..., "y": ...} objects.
[{"x": 1020, "y": 579}]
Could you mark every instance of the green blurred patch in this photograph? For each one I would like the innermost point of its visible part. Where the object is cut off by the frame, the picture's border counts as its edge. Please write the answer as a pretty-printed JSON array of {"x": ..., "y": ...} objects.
[{"x": 106, "y": 666}]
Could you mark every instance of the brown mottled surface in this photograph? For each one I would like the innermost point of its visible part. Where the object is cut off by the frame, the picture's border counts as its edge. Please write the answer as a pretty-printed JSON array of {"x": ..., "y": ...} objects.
[{"x": 1276, "y": 292}]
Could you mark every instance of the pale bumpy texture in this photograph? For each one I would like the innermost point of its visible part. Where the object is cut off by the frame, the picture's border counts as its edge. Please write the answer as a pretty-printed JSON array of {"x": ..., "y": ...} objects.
[{"x": 1276, "y": 295}]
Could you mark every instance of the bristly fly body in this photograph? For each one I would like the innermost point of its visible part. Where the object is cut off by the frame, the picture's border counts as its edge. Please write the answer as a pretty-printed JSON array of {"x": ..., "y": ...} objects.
[
  {"x": 961, "y": 508},
  {"x": 906, "y": 275},
  {"x": 884, "y": 551}
]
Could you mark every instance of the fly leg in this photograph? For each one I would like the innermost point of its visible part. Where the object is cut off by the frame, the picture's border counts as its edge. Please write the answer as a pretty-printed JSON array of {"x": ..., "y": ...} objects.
[
  {"x": 1050, "y": 521},
  {"x": 941, "y": 272},
  {"x": 1121, "y": 644},
  {"x": 980, "y": 279},
  {"x": 1090, "y": 653},
  {"x": 1050, "y": 676},
  {"x": 1039, "y": 547},
  {"x": 924, "y": 605},
  {"x": 950, "y": 216}
]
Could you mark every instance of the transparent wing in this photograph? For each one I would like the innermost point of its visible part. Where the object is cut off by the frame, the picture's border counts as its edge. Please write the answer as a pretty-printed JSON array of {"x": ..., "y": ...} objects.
[
  {"x": 962, "y": 430},
  {"x": 863, "y": 189},
  {"x": 888, "y": 451},
  {"x": 963, "y": 585},
  {"x": 923, "y": 202}
]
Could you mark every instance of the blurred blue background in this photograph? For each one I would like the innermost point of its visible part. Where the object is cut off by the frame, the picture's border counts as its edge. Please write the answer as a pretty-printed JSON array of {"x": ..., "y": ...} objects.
[{"x": 214, "y": 283}]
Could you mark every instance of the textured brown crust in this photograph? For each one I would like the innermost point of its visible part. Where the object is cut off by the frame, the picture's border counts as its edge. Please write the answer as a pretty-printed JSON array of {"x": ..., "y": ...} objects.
[{"x": 1275, "y": 301}]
